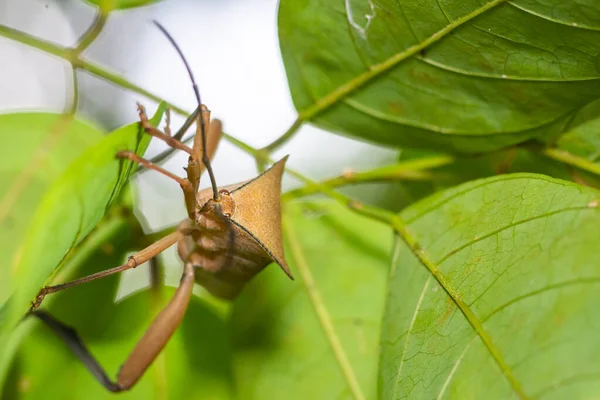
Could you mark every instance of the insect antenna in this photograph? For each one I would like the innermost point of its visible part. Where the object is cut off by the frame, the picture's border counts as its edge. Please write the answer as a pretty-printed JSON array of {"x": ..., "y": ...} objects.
[
  {"x": 198, "y": 112},
  {"x": 205, "y": 159}
]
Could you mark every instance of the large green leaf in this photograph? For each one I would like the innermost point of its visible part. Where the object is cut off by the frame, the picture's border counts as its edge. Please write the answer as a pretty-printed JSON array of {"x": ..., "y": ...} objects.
[
  {"x": 195, "y": 364},
  {"x": 507, "y": 306},
  {"x": 315, "y": 337},
  {"x": 70, "y": 209},
  {"x": 36, "y": 149},
  {"x": 467, "y": 76}
]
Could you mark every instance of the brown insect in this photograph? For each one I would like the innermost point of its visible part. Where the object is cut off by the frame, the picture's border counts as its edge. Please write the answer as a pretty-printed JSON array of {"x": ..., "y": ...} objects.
[{"x": 230, "y": 235}]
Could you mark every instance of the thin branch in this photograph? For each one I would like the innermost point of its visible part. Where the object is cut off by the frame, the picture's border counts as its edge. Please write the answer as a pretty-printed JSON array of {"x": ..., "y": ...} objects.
[
  {"x": 32, "y": 41},
  {"x": 74, "y": 101},
  {"x": 571, "y": 159},
  {"x": 90, "y": 34},
  {"x": 414, "y": 170}
]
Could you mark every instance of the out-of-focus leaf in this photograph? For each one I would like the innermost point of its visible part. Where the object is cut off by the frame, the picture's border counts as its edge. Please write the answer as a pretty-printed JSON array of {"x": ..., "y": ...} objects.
[
  {"x": 110, "y": 5},
  {"x": 36, "y": 149},
  {"x": 511, "y": 307},
  {"x": 583, "y": 139},
  {"x": 70, "y": 209},
  {"x": 284, "y": 330},
  {"x": 196, "y": 363},
  {"x": 467, "y": 76},
  {"x": 464, "y": 169}
]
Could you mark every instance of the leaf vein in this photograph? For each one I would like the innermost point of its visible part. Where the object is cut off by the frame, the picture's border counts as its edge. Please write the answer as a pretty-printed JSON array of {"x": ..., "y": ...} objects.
[
  {"x": 410, "y": 328},
  {"x": 557, "y": 21},
  {"x": 508, "y": 226},
  {"x": 560, "y": 285}
]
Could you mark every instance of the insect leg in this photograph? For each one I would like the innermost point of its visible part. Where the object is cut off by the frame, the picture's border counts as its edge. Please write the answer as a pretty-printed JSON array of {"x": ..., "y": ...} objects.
[
  {"x": 195, "y": 164},
  {"x": 152, "y": 131},
  {"x": 132, "y": 156},
  {"x": 137, "y": 259},
  {"x": 68, "y": 335},
  {"x": 189, "y": 191},
  {"x": 147, "y": 348},
  {"x": 188, "y": 122},
  {"x": 159, "y": 332}
]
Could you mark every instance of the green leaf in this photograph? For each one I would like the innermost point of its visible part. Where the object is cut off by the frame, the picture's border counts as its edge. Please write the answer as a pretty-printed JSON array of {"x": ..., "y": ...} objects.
[
  {"x": 70, "y": 209},
  {"x": 195, "y": 364},
  {"x": 467, "y": 76},
  {"x": 584, "y": 138},
  {"x": 37, "y": 148},
  {"x": 315, "y": 337},
  {"x": 109, "y": 5},
  {"x": 501, "y": 301},
  {"x": 467, "y": 168}
]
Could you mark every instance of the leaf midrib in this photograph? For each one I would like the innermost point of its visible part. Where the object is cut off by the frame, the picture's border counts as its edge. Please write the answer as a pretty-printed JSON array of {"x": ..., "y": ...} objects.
[
  {"x": 378, "y": 69},
  {"x": 472, "y": 319}
]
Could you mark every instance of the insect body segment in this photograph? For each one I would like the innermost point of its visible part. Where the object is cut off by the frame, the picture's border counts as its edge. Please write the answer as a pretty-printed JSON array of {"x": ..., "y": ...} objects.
[{"x": 253, "y": 211}]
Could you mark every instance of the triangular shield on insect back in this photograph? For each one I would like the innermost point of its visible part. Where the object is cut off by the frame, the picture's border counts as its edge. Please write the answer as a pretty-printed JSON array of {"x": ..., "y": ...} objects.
[{"x": 258, "y": 211}]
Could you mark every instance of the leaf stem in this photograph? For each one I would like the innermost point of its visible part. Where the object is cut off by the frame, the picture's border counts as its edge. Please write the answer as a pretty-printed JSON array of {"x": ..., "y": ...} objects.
[
  {"x": 571, "y": 159},
  {"x": 413, "y": 170},
  {"x": 91, "y": 33},
  {"x": 32, "y": 41},
  {"x": 71, "y": 106},
  {"x": 79, "y": 63}
]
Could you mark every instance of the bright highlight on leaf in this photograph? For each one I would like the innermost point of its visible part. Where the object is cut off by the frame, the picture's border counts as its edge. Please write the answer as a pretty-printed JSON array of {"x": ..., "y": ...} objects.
[{"x": 508, "y": 307}]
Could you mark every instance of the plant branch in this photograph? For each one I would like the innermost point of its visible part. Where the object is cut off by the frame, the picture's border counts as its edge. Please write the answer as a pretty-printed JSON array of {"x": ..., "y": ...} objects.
[
  {"x": 91, "y": 33},
  {"x": 571, "y": 159},
  {"x": 32, "y": 41},
  {"x": 74, "y": 101},
  {"x": 413, "y": 170},
  {"x": 77, "y": 62}
]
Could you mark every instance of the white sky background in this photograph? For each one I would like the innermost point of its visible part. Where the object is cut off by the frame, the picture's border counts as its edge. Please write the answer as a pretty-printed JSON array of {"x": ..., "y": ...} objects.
[{"x": 233, "y": 49}]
